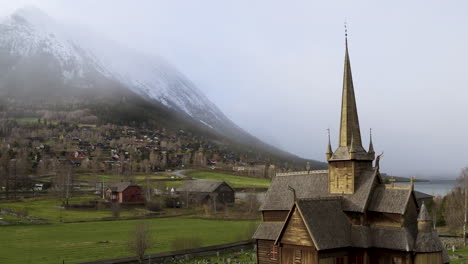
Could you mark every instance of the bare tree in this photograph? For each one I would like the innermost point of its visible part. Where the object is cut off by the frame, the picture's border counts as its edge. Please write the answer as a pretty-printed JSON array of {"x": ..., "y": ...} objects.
[
  {"x": 455, "y": 206},
  {"x": 116, "y": 209},
  {"x": 140, "y": 240},
  {"x": 63, "y": 184},
  {"x": 5, "y": 172}
]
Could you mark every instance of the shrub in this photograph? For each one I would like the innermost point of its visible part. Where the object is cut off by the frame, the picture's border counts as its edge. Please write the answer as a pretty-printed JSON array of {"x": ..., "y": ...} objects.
[{"x": 154, "y": 206}]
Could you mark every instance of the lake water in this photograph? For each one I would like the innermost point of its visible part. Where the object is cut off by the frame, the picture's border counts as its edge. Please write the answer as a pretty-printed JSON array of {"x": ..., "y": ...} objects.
[{"x": 435, "y": 187}]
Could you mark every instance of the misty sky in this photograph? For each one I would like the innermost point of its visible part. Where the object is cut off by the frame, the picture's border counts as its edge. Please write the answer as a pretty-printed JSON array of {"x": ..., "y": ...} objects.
[{"x": 275, "y": 67}]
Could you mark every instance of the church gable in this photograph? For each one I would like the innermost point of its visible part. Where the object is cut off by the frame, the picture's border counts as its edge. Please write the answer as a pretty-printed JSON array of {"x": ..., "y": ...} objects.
[{"x": 295, "y": 231}]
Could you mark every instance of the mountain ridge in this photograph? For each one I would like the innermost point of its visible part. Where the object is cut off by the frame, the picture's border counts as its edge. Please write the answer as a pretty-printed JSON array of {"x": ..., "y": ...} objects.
[{"x": 59, "y": 63}]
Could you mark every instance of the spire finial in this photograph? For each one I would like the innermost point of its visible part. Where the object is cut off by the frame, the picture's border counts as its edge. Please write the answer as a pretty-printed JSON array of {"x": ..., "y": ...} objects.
[
  {"x": 329, "y": 148},
  {"x": 345, "y": 29},
  {"x": 371, "y": 145}
]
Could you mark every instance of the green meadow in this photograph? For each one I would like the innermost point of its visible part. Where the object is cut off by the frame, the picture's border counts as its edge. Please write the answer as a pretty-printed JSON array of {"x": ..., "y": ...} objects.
[
  {"x": 233, "y": 180},
  {"x": 80, "y": 242}
]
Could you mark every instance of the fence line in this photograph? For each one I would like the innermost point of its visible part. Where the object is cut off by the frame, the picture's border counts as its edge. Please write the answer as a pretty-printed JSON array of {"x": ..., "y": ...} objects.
[{"x": 171, "y": 256}]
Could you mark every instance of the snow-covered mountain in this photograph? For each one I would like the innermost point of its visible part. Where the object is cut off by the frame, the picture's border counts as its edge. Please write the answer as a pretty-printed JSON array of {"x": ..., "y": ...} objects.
[
  {"x": 44, "y": 63},
  {"x": 80, "y": 57}
]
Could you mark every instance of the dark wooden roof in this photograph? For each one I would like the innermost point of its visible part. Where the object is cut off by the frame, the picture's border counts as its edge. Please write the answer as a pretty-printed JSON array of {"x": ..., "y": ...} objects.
[
  {"x": 315, "y": 185},
  {"x": 268, "y": 230},
  {"x": 421, "y": 195},
  {"x": 428, "y": 242},
  {"x": 202, "y": 186},
  {"x": 388, "y": 199},
  {"x": 325, "y": 220},
  {"x": 397, "y": 238},
  {"x": 120, "y": 186}
]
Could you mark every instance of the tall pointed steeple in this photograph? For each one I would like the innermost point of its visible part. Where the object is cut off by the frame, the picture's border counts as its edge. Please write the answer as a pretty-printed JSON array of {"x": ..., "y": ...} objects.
[
  {"x": 350, "y": 159},
  {"x": 349, "y": 127},
  {"x": 350, "y": 133}
]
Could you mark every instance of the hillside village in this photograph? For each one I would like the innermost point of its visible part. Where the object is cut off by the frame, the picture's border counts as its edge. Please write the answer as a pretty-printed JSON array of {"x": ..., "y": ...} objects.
[{"x": 42, "y": 148}]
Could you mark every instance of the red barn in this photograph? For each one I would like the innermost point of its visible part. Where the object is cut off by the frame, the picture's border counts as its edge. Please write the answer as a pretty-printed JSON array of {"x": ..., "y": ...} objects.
[{"x": 124, "y": 192}]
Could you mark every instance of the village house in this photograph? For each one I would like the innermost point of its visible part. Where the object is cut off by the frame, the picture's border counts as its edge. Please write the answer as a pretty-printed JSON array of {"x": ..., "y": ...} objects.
[
  {"x": 124, "y": 193},
  {"x": 345, "y": 214},
  {"x": 204, "y": 192}
]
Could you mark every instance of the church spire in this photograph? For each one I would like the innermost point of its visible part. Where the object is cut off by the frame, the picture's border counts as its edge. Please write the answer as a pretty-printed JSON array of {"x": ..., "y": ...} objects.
[
  {"x": 349, "y": 127},
  {"x": 350, "y": 142}
]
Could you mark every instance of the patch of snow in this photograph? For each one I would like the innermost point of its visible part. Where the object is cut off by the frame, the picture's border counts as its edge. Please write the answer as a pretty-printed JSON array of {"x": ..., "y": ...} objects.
[
  {"x": 206, "y": 124},
  {"x": 29, "y": 32}
]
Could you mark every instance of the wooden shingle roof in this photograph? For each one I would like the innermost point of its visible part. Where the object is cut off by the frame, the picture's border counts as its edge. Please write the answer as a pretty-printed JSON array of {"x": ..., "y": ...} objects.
[
  {"x": 428, "y": 242},
  {"x": 120, "y": 186},
  {"x": 386, "y": 199},
  {"x": 315, "y": 185},
  {"x": 268, "y": 230},
  {"x": 203, "y": 186},
  {"x": 334, "y": 232}
]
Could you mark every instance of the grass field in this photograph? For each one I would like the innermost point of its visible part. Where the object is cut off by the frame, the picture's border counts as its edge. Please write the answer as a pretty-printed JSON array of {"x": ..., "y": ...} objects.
[
  {"x": 234, "y": 180},
  {"x": 50, "y": 210},
  {"x": 79, "y": 242},
  {"x": 139, "y": 179},
  {"x": 12, "y": 219},
  {"x": 459, "y": 251}
]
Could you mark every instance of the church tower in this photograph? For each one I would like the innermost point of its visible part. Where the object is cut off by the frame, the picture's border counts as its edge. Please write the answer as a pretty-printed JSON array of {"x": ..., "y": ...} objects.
[{"x": 350, "y": 158}]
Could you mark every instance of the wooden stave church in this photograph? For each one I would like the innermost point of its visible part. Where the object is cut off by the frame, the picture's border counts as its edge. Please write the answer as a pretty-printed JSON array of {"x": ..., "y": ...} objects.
[{"x": 346, "y": 214}]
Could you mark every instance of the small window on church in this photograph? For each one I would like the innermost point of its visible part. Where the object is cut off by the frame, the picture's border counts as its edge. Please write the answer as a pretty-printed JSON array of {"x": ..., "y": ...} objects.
[
  {"x": 358, "y": 260},
  {"x": 397, "y": 260},
  {"x": 339, "y": 260},
  {"x": 297, "y": 256},
  {"x": 274, "y": 253}
]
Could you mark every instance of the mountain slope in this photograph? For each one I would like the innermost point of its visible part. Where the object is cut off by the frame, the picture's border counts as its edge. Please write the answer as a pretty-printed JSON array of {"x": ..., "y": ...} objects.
[{"x": 43, "y": 60}]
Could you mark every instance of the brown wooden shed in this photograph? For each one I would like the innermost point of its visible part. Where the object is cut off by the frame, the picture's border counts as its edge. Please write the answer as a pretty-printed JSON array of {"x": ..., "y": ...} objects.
[{"x": 204, "y": 191}]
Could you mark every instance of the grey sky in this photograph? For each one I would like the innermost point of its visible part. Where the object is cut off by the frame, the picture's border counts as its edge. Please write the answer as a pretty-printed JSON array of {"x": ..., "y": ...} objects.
[{"x": 275, "y": 67}]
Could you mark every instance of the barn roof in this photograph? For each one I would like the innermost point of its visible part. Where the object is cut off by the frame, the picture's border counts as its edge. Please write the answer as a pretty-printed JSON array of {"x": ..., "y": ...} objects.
[
  {"x": 315, "y": 185},
  {"x": 120, "y": 186},
  {"x": 387, "y": 199},
  {"x": 201, "y": 186}
]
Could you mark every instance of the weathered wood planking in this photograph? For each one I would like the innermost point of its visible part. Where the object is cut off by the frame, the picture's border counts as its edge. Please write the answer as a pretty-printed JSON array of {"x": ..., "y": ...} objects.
[
  {"x": 265, "y": 252},
  {"x": 428, "y": 258},
  {"x": 296, "y": 232}
]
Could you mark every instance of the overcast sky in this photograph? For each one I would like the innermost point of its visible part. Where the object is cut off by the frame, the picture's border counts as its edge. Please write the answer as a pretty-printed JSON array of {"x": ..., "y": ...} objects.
[{"x": 275, "y": 67}]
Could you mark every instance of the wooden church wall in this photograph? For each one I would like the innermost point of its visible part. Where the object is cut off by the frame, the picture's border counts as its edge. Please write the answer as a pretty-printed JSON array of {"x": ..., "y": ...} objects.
[
  {"x": 296, "y": 232},
  {"x": 428, "y": 258},
  {"x": 386, "y": 256},
  {"x": 291, "y": 254},
  {"x": 267, "y": 252}
]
